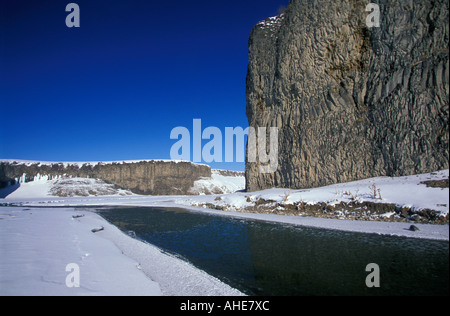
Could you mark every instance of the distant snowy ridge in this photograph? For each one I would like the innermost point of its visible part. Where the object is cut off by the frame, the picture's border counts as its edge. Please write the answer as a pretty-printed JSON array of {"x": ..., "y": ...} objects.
[
  {"x": 88, "y": 163},
  {"x": 42, "y": 187},
  {"x": 25, "y": 186},
  {"x": 146, "y": 177}
]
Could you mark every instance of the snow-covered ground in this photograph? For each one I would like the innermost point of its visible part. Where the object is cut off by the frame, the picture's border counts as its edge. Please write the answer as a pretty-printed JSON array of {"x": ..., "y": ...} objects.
[{"x": 38, "y": 243}]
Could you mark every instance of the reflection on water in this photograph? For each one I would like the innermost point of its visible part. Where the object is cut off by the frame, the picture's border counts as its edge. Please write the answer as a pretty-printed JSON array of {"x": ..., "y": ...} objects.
[{"x": 262, "y": 258}]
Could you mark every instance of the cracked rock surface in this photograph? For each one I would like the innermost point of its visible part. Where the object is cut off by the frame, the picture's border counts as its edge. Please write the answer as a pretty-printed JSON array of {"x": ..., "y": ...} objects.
[{"x": 350, "y": 102}]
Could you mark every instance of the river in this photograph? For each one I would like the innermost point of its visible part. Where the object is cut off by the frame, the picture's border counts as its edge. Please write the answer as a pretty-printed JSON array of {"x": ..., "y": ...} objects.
[{"x": 270, "y": 259}]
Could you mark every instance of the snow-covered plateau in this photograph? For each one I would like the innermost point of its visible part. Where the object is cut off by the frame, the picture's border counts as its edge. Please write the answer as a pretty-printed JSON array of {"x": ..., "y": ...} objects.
[{"x": 38, "y": 241}]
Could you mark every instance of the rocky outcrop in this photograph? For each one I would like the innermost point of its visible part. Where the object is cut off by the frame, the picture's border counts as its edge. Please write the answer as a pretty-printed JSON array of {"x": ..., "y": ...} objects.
[
  {"x": 142, "y": 177},
  {"x": 350, "y": 102}
]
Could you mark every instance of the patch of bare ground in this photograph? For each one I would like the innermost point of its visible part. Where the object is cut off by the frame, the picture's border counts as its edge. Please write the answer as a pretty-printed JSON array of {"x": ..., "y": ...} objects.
[{"x": 436, "y": 183}]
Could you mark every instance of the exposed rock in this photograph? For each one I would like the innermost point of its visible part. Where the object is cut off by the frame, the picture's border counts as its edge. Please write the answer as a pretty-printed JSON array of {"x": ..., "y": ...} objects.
[
  {"x": 142, "y": 177},
  {"x": 228, "y": 173},
  {"x": 436, "y": 183},
  {"x": 350, "y": 102},
  {"x": 99, "y": 229}
]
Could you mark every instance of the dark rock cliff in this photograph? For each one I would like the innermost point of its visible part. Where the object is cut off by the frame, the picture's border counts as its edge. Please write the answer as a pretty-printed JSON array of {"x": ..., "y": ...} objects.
[
  {"x": 143, "y": 177},
  {"x": 350, "y": 102}
]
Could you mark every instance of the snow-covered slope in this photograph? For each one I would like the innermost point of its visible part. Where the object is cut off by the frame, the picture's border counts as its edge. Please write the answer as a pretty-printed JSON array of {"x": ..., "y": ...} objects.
[
  {"x": 62, "y": 187},
  {"x": 220, "y": 182}
]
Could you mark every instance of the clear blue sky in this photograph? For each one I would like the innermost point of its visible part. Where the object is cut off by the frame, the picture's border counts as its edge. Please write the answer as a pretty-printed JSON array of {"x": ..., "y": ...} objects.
[{"x": 114, "y": 88}]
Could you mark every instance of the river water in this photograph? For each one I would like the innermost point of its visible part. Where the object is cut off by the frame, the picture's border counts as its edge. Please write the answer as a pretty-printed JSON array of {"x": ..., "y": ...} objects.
[{"x": 272, "y": 259}]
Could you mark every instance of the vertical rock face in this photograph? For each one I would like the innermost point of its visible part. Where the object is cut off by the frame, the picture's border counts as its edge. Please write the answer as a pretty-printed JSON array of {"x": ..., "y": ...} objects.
[{"x": 350, "y": 102}]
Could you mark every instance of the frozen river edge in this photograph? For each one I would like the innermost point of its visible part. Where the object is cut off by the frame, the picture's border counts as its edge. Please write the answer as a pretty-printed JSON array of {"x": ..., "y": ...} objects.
[{"x": 38, "y": 243}]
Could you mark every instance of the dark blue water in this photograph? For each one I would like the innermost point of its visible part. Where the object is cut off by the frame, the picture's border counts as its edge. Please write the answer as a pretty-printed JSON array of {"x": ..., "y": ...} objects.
[{"x": 261, "y": 258}]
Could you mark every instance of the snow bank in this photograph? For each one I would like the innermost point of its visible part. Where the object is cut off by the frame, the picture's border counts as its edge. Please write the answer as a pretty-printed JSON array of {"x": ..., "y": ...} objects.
[
  {"x": 38, "y": 244},
  {"x": 65, "y": 187}
]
